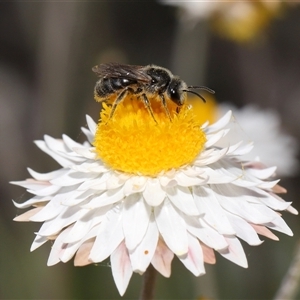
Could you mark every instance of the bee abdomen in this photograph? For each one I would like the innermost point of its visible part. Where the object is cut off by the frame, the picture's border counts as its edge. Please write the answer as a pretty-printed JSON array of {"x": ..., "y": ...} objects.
[
  {"x": 108, "y": 86},
  {"x": 103, "y": 88}
]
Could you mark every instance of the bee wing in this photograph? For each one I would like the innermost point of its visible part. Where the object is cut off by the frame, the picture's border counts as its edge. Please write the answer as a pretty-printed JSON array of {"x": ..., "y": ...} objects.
[{"x": 115, "y": 70}]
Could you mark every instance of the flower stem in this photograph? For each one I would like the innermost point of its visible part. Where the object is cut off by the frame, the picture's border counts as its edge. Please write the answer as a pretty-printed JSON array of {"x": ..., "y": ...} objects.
[{"x": 147, "y": 292}]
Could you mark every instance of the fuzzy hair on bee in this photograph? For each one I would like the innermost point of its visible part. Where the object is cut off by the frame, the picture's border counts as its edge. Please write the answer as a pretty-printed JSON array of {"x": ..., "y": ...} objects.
[{"x": 145, "y": 82}]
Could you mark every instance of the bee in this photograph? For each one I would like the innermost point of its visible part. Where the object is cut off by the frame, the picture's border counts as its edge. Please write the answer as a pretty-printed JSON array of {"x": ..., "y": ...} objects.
[{"x": 146, "y": 82}]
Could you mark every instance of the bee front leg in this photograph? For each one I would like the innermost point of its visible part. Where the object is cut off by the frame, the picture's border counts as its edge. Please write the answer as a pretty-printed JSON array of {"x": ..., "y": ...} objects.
[{"x": 163, "y": 101}]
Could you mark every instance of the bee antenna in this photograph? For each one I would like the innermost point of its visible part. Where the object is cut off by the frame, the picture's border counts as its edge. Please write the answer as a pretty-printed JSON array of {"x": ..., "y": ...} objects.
[
  {"x": 201, "y": 88},
  {"x": 192, "y": 92}
]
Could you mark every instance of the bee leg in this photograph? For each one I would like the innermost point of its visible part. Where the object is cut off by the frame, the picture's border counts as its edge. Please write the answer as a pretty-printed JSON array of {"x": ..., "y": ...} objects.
[
  {"x": 163, "y": 101},
  {"x": 148, "y": 106},
  {"x": 120, "y": 97}
]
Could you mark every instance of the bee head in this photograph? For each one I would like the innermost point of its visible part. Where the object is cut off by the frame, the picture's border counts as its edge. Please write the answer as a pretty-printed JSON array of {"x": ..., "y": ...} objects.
[{"x": 175, "y": 91}]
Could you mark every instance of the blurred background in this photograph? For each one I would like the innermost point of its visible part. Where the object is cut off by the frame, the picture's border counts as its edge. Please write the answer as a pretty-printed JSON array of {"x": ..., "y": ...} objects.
[{"x": 47, "y": 50}]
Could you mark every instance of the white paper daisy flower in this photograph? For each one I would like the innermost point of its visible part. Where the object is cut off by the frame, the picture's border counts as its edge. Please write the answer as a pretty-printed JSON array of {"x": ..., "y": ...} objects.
[{"x": 139, "y": 192}]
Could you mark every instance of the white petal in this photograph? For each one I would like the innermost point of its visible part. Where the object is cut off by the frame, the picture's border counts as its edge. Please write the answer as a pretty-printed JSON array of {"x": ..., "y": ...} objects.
[
  {"x": 69, "y": 142},
  {"x": 84, "y": 224},
  {"x": 75, "y": 197},
  {"x": 262, "y": 173},
  {"x": 206, "y": 153},
  {"x": 82, "y": 255},
  {"x": 53, "y": 144},
  {"x": 235, "y": 252},
  {"x": 110, "y": 235},
  {"x": 38, "y": 242},
  {"x": 217, "y": 175},
  {"x": 213, "y": 138},
  {"x": 115, "y": 181},
  {"x": 280, "y": 225},
  {"x": 239, "y": 204},
  {"x": 154, "y": 194},
  {"x": 25, "y": 217},
  {"x": 220, "y": 123},
  {"x": 271, "y": 200},
  {"x": 142, "y": 255},
  {"x": 46, "y": 176},
  {"x": 71, "y": 248},
  {"x": 208, "y": 254},
  {"x": 162, "y": 259},
  {"x": 91, "y": 124},
  {"x": 136, "y": 216},
  {"x": 72, "y": 178},
  {"x": 268, "y": 184},
  {"x": 121, "y": 268},
  {"x": 193, "y": 260},
  {"x": 217, "y": 155},
  {"x": 264, "y": 231},
  {"x": 205, "y": 233},
  {"x": 61, "y": 160},
  {"x": 90, "y": 167},
  {"x": 66, "y": 217},
  {"x": 57, "y": 146},
  {"x": 254, "y": 213},
  {"x": 239, "y": 150},
  {"x": 182, "y": 198},
  {"x": 51, "y": 210},
  {"x": 47, "y": 191},
  {"x": 32, "y": 184},
  {"x": 166, "y": 180},
  {"x": 197, "y": 195},
  {"x": 214, "y": 213},
  {"x": 172, "y": 227},
  {"x": 98, "y": 183},
  {"x": 244, "y": 230},
  {"x": 31, "y": 201},
  {"x": 192, "y": 171},
  {"x": 187, "y": 181},
  {"x": 88, "y": 134},
  {"x": 279, "y": 206},
  {"x": 292, "y": 210},
  {"x": 134, "y": 184},
  {"x": 106, "y": 198},
  {"x": 86, "y": 153},
  {"x": 58, "y": 248}
]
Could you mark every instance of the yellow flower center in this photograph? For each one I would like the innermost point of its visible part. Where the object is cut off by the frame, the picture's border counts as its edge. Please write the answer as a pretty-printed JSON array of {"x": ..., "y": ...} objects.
[{"x": 132, "y": 141}]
